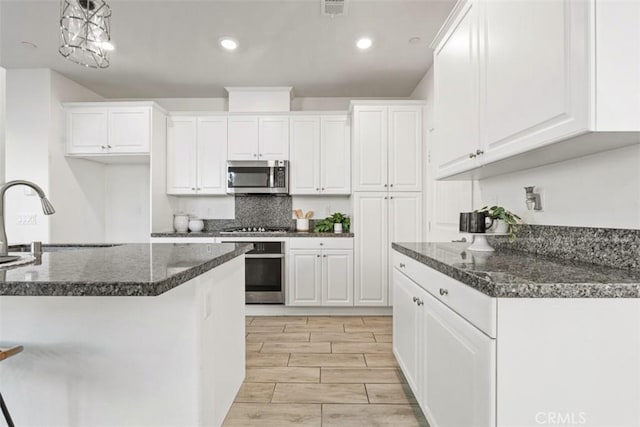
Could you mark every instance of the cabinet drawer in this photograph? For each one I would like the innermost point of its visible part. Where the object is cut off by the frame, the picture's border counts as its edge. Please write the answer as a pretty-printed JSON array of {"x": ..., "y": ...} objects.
[
  {"x": 478, "y": 308},
  {"x": 321, "y": 243}
]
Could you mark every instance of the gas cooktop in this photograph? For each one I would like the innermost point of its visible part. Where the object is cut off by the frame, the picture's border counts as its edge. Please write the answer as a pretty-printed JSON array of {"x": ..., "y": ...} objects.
[{"x": 255, "y": 230}]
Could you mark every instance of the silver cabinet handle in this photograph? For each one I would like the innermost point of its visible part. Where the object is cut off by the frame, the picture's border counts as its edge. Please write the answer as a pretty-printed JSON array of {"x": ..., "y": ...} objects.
[
  {"x": 402, "y": 265},
  {"x": 260, "y": 155},
  {"x": 324, "y": 256},
  {"x": 444, "y": 292},
  {"x": 415, "y": 299},
  {"x": 255, "y": 155},
  {"x": 103, "y": 147},
  {"x": 108, "y": 146},
  {"x": 385, "y": 197},
  {"x": 479, "y": 152},
  {"x": 318, "y": 256},
  {"x": 471, "y": 155},
  {"x": 317, "y": 189},
  {"x": 391, "y": 197},
  {"x": 420, "y": 302},
  {"x": 322, "y": 188},
  {"x": 385, "y": 186},
  {"x": 391, "y": 185},
  {"x": 321, "y": 244}
]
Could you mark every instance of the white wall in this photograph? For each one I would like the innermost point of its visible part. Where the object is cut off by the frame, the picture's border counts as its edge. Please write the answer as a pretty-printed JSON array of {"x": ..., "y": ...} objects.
[
  {"x": 27, "y": 150},
  {"x": 127, "y": 204},
  {"x": 3, "y": 103},
  {"x": 76, "y": 186},
  {"x": 601, "y": 190}
]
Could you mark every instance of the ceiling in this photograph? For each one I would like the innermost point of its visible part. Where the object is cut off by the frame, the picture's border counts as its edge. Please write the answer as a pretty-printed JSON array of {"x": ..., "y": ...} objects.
[{"x": 168, "y": 49}]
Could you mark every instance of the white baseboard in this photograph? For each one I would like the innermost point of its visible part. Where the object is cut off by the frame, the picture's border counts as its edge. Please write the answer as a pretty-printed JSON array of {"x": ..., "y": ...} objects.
[{"x": 282, "y": 310}]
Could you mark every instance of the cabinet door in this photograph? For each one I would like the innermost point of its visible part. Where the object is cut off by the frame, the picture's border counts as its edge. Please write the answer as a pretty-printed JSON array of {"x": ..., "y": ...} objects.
[
  {"x": 459, "y": 369},
  {"x": 370, "y": 141},
  {"x": 305, "y": 277},
  {"x": 181, "y": 155},
  {"x": 525, "y": 107},
  {"x": 370, "y": 222},
  {"x": 274, "y": 138},
  {"x": 87, "y": 130},
  {"x": 304, "y": 173},
  {"x": 405, "y": 221},
  {"x": 406, "y": 328},
  {"x": 336, "y": 155},
  {"x": 212, "y": 155},
  {"x": 456, "y": 93},
  {"x": 405, "y": 148},
  {"x": 242, "y": 142},
  {"x": 129, "y": 129},
  {"x": 337, "y": 277}
]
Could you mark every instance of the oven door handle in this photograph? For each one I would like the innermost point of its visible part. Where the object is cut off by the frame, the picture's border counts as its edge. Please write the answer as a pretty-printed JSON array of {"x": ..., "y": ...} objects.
[{"x": 264, "y": 255}]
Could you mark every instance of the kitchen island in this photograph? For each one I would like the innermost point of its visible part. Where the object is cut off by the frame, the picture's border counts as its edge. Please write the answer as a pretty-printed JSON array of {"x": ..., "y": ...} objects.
[
  {"x": 139, "y": 335},
  {"x": 516, "y": 339}
]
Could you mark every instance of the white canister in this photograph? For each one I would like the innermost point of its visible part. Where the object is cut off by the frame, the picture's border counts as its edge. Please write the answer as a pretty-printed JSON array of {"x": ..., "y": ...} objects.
[
  {"x": 196, "y": 225},
  {"x": 337, "y": 227},
  {"x": 181, "y": 222},
  {"x": 302, "y": 224},
  {"x": 499, "y": 226}
]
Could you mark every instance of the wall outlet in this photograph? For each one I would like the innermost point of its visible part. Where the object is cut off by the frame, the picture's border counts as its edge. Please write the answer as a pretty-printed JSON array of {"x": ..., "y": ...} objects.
[{"x": 27, "y": 219}]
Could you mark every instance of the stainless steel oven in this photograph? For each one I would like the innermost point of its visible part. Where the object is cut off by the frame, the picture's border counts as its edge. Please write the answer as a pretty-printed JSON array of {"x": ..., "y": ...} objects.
[
  {"x": 258, "y": 177},
  {"x": 265, "y": 273}
]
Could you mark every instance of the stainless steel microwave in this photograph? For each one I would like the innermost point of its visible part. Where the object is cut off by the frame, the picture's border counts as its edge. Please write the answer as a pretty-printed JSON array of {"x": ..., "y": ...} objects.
[{"x": 258, "y": 177}]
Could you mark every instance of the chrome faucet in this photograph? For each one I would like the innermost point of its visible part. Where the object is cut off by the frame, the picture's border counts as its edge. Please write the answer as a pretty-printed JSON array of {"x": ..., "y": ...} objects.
[{"x": 47, "y": 208}]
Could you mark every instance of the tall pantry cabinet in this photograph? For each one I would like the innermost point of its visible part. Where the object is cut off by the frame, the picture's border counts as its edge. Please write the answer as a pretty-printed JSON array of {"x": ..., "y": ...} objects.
[{"x": 387, "y": 190}]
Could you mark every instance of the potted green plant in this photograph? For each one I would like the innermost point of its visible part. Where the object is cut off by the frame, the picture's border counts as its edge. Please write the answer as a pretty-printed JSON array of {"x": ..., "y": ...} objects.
[
  {"x": 504, "y": 221},
  {"x": 337, "y": 223}
]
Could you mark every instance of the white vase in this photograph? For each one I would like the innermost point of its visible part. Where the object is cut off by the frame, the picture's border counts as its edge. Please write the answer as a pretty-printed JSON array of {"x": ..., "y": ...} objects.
[
  {"x": 181, "y": 222},
  {"x": 337, "y": 228},
  {"x": 499, "y": 226},
  {"x": 196, "y": 225}
]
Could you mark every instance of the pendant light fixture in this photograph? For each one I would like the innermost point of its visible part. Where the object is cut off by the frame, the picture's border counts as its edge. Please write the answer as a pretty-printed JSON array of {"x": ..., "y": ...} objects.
[{"x": 85, "y": 36}]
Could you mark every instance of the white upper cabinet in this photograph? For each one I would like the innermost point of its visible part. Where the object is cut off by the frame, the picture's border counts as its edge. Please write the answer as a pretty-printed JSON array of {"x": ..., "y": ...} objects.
[
  {"x": 87, "y": 130},
  {"x": 387, "y": 146},
  {"x": 370, "y": 141},
  {"x": 108, "y": 129},
  {"x": 320, "y": 154},
  {"x": 129, "y": 130},
  {"x": 516, "y": 76},
  {"x": 181, "y": 155},
  {"x": 335, "y": 154},
  {"x": 196, "y": 155},
  {"x": 258, "y": 138},
  {"x": 242, "y": 143},
  {"x": 273, "y": 138},
  {"x": 212, "y": 155},
  {"x": 456, "y": 93},
  {"x": 304, "y": 172}
]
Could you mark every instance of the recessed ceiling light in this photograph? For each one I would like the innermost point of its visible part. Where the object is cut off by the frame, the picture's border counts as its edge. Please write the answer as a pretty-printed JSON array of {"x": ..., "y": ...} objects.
[
  {"x": 108, "y": 46},
  {"x": 364, "y": 43},
  {"x": 229, "y": 43},
  {"x": 415, "y": 40},
  {"x": 30, "y": 45}
]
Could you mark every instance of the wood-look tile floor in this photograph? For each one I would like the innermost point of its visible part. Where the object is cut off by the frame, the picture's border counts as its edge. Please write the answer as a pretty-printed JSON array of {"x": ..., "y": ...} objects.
[{"x": 322, "y": 371}]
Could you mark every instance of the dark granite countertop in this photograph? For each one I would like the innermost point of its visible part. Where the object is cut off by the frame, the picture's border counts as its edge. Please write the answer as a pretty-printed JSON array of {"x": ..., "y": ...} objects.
[
  {"x": 263, "y": 234},
  {"x": 513, "y": 274},
  {"x": 115, "y": 270}
]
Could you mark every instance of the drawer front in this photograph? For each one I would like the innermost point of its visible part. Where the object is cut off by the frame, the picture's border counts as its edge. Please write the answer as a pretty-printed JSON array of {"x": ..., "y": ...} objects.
[
  {"x": 478, "y": 308},
  {"x": 321, "y": 243}
]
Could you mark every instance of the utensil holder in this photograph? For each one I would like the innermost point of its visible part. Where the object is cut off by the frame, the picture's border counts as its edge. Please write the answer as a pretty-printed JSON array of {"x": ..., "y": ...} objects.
[{"x": 302, "y": 224}]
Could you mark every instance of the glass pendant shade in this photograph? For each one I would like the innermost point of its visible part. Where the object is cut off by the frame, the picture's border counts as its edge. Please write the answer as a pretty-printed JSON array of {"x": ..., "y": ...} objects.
[{"x": 85, "y": 32}]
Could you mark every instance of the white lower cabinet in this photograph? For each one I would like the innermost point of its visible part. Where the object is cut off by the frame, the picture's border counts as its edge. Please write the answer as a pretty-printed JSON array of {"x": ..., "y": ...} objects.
[
  {"x": 449, "y": 363},
  {"x": 320, "y": 272}
]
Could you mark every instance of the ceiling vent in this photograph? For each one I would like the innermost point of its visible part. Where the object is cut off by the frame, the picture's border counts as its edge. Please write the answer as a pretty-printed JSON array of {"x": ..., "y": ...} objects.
[{"x": 333, "y": 7}]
